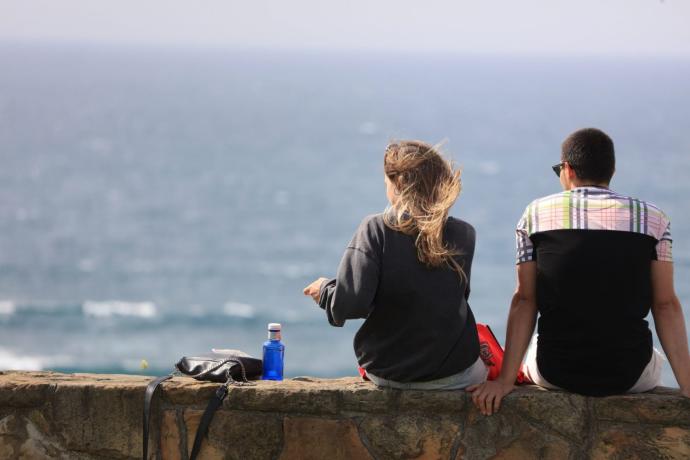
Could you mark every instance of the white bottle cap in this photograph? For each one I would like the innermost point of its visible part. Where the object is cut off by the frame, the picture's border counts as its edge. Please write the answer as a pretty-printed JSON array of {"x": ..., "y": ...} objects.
[{"x": 274, "y": 326}]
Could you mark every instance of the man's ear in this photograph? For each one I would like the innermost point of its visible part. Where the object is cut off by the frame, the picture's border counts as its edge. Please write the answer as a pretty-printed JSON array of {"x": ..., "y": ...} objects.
[{"x": 570, "y": 172}]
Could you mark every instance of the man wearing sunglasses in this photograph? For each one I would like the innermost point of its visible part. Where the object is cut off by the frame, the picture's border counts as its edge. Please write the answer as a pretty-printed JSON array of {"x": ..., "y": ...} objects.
[{"x": 592, "y": 263}]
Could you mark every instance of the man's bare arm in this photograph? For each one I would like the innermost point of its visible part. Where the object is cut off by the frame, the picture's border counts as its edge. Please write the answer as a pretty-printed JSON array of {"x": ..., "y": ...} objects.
[
  {"x": 521, "y": 319},
  {"x": 670, "y": 323}
]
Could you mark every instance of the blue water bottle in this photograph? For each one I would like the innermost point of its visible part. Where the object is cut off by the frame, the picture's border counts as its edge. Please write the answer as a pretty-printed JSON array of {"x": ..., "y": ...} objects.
[{"x": 274, "y": 352}]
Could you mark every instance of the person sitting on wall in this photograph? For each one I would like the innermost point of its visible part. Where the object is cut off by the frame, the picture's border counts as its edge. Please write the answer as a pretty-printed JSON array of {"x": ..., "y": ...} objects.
[
  {"x": 407, "y": 272},
  {"x": 591, "y": 262}
]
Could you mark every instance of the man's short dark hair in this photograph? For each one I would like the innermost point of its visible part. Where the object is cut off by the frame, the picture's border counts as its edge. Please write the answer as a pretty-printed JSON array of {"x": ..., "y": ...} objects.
[{"x": 590, "y": 153}]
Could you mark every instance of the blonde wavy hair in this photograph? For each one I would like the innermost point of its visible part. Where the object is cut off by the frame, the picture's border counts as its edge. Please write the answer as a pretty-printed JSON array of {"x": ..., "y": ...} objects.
[{"x": 427, "y": 186}]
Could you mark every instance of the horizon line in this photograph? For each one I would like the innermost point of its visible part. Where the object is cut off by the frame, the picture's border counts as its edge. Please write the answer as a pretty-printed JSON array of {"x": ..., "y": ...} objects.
[{"x": 228, "y": 47}]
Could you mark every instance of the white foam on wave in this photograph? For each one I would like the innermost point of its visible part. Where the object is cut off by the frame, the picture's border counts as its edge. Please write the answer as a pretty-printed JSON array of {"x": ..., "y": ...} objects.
[
  {"x": 239, "y": 310},
  {"x": 15, "y": 362},
  {"x": 7, "y": 307},
  {"x": 119, "y": 308},
  {"x": 11, "y": 360}
]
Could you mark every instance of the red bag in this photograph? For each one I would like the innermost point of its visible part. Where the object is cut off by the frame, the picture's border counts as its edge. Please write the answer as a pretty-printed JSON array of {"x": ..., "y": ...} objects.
[{"x": 492, "y": 353}]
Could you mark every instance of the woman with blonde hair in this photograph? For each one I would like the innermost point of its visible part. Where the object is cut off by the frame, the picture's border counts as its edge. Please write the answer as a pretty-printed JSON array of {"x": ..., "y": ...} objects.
[{"x": 407, "y": 273}]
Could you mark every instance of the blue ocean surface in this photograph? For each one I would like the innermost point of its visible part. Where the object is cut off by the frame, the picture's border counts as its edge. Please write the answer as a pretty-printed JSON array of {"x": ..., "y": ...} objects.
[{"x": 157, "y": 202}]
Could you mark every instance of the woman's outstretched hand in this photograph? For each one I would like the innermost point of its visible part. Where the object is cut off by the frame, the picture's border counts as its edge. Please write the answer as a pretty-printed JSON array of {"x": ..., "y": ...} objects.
[
  {"x": 314, "y": 289},
  {"x": 487, "y": 396}
]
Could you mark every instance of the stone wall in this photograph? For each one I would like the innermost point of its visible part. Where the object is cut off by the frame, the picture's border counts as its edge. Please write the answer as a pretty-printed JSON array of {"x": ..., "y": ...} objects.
[{"x": 88, "y": 416}]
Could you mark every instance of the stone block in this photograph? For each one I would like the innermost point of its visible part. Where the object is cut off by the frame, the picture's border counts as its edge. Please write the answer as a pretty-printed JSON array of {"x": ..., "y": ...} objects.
[
  {"x": 186, "y": 391},
  {"x": 38, "y": 419},
  {"x": 628, "y": 441},
  {"x": 285, "y": 397},
  {"x": 433, "y": 402},
  {"x": 309, "y": 438},
  {"x": 170, "y": 438},
  {"x": 561, "y": 412},
  {"x": 21, "y": 438},
  {"x": 370, "y": 399},
  {"x": 97, "y": 419},
  {"x": 662, "y": 408},
  {"x": 236, "y": 435},
  {"x": 208, "y": 449},
  {"x": 20, "y": 391},
  {"x": 509, "y": 435},
  {"x": 12, "y": 434},
  {"x": 7, "y": 450},
  {"x": 409, "y": 436}
]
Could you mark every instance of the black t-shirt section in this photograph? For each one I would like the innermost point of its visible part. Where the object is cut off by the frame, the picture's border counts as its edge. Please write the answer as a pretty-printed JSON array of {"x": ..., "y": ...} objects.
[
  {"x": 593, "y": 292},
  {"x": 419, "y": 325}
]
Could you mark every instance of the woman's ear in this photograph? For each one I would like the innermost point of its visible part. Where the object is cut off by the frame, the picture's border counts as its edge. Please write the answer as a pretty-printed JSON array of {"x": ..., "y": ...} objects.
[{"x": 393, "y": 189}]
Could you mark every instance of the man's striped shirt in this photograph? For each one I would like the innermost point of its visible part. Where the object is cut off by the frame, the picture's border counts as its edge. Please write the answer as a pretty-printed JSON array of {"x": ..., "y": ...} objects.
[{"x": 592, "y": 208}]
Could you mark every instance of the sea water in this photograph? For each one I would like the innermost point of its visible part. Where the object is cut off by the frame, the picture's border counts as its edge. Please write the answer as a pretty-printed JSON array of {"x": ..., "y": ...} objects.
[{"x": 156, "y": 202}]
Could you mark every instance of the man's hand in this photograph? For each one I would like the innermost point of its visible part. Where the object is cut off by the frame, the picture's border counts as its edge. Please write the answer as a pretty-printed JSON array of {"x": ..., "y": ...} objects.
[
  {"x": 487, "y": 396},
  {"x": 314, "y": 289}
]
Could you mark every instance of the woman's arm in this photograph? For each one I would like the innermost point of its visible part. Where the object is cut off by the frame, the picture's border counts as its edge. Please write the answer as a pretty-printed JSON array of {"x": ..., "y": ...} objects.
[{"x": 351, "y": 294}]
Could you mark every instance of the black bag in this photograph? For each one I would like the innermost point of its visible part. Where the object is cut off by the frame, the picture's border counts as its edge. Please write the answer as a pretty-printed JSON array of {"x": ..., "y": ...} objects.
[
  {"x": 221, "y": 366},
  {"x": 231, "y": 367}
]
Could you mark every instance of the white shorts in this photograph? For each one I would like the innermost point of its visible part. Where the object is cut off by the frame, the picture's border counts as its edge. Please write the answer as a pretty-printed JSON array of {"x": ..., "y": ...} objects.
[
  {"x": 474, "y": 374},
  {"x": 649, "y": 379}
]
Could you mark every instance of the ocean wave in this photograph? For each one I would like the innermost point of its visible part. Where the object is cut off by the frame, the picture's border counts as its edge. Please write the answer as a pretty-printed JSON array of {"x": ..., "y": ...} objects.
[
  {"x": 7, "y": 307},
  {"x": 69, "y": 314},
  {"x": 11, "y": 360},
  {"x": 119, "y": 308},
  {"x": 239, "y": 310},
  {"x": 14, "y": 308}
]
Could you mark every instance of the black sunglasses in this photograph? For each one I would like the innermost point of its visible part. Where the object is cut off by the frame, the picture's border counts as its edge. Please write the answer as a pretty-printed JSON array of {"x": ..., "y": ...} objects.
[{"x": 557, "y": 168}]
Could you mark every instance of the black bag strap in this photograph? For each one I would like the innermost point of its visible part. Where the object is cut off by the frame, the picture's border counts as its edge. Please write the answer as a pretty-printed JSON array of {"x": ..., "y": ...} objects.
[
  {"x": 206, "y": 418},
  {"x": 148, "y": 397},
  {"x": 205, "y": 422},
  {"x": 213, "y": 405}
]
